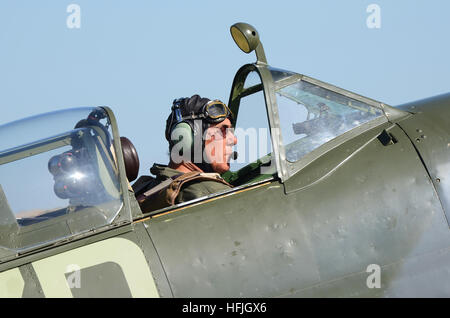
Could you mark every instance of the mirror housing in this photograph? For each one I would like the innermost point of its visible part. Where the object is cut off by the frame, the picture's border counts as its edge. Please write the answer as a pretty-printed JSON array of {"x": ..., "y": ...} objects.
[{"x": 247, "y": 39}]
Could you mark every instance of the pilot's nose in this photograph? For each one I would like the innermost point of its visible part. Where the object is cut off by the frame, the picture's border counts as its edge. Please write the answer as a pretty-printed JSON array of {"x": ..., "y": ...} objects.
[{"x": 232, "y": 140}]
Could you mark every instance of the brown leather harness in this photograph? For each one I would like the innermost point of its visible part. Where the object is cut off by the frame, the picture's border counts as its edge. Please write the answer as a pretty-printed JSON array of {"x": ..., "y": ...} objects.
[{"x": 165, "y": 193}]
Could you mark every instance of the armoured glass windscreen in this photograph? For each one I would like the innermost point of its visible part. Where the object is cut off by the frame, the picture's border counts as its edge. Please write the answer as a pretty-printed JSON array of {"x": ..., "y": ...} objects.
[
  {"x": 252, "y": 126},
  {"x": 311, "y": 115},
  {"x": 252, "y": 80},
  {"x": 59, "y": 185}
]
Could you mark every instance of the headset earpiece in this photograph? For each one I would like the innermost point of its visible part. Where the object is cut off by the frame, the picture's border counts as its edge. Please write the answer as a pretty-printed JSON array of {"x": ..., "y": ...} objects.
[{"x": 182, "y": 136}]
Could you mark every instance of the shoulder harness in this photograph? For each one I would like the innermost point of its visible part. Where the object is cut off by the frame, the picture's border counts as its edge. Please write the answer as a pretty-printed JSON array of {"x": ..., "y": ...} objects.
[{"x": 165, "y": 193}]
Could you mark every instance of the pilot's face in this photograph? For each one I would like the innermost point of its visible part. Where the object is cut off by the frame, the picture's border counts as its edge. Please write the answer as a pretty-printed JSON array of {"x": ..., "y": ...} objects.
[{"x": 219, "y": 143}]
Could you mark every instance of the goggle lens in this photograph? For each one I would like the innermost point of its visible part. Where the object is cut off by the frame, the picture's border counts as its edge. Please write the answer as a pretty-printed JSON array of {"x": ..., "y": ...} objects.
[{"x": 217, "y": 111}]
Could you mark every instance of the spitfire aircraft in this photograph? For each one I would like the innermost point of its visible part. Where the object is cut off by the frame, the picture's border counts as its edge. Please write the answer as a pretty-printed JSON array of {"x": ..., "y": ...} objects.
[{"x": 351, "y": 200}]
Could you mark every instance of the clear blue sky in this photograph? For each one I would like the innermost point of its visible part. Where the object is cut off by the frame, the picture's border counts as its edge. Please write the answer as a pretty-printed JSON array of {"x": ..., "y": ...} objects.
[{"x": 137, "y": 56}]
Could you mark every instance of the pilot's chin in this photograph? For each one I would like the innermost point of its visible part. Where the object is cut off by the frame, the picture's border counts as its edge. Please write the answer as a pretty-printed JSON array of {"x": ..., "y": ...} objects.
[{"x": 222, "y": 168}]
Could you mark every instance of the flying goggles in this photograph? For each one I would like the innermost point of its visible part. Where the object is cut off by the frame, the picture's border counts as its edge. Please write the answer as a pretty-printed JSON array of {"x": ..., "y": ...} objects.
[{"x": 213, "y": 112}]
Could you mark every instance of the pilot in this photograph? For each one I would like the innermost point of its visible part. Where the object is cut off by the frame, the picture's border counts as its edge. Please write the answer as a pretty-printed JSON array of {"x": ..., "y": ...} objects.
[{"x": 200, "y": 136}]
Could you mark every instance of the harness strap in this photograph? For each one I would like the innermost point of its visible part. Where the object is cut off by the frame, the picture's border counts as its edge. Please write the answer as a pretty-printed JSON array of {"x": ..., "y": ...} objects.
[
  {"x": 174, "y": 188},
  {"x": 168, "y": 190},
  {"x": 159, "y": 187}
]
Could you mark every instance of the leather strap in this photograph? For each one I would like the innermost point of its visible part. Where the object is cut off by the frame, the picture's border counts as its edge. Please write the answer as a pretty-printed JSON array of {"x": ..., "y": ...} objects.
[
  {"x": 141, "y": 198},
  {"x": 168, "y": 190},
  {"x": 174, "y": 188}
]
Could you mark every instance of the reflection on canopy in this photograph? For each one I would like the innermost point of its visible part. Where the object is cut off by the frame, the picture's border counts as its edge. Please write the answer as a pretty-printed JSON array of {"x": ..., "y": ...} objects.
[
  {"x": 311, "y": 115},
  {"x": 57, "y": 181}
]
